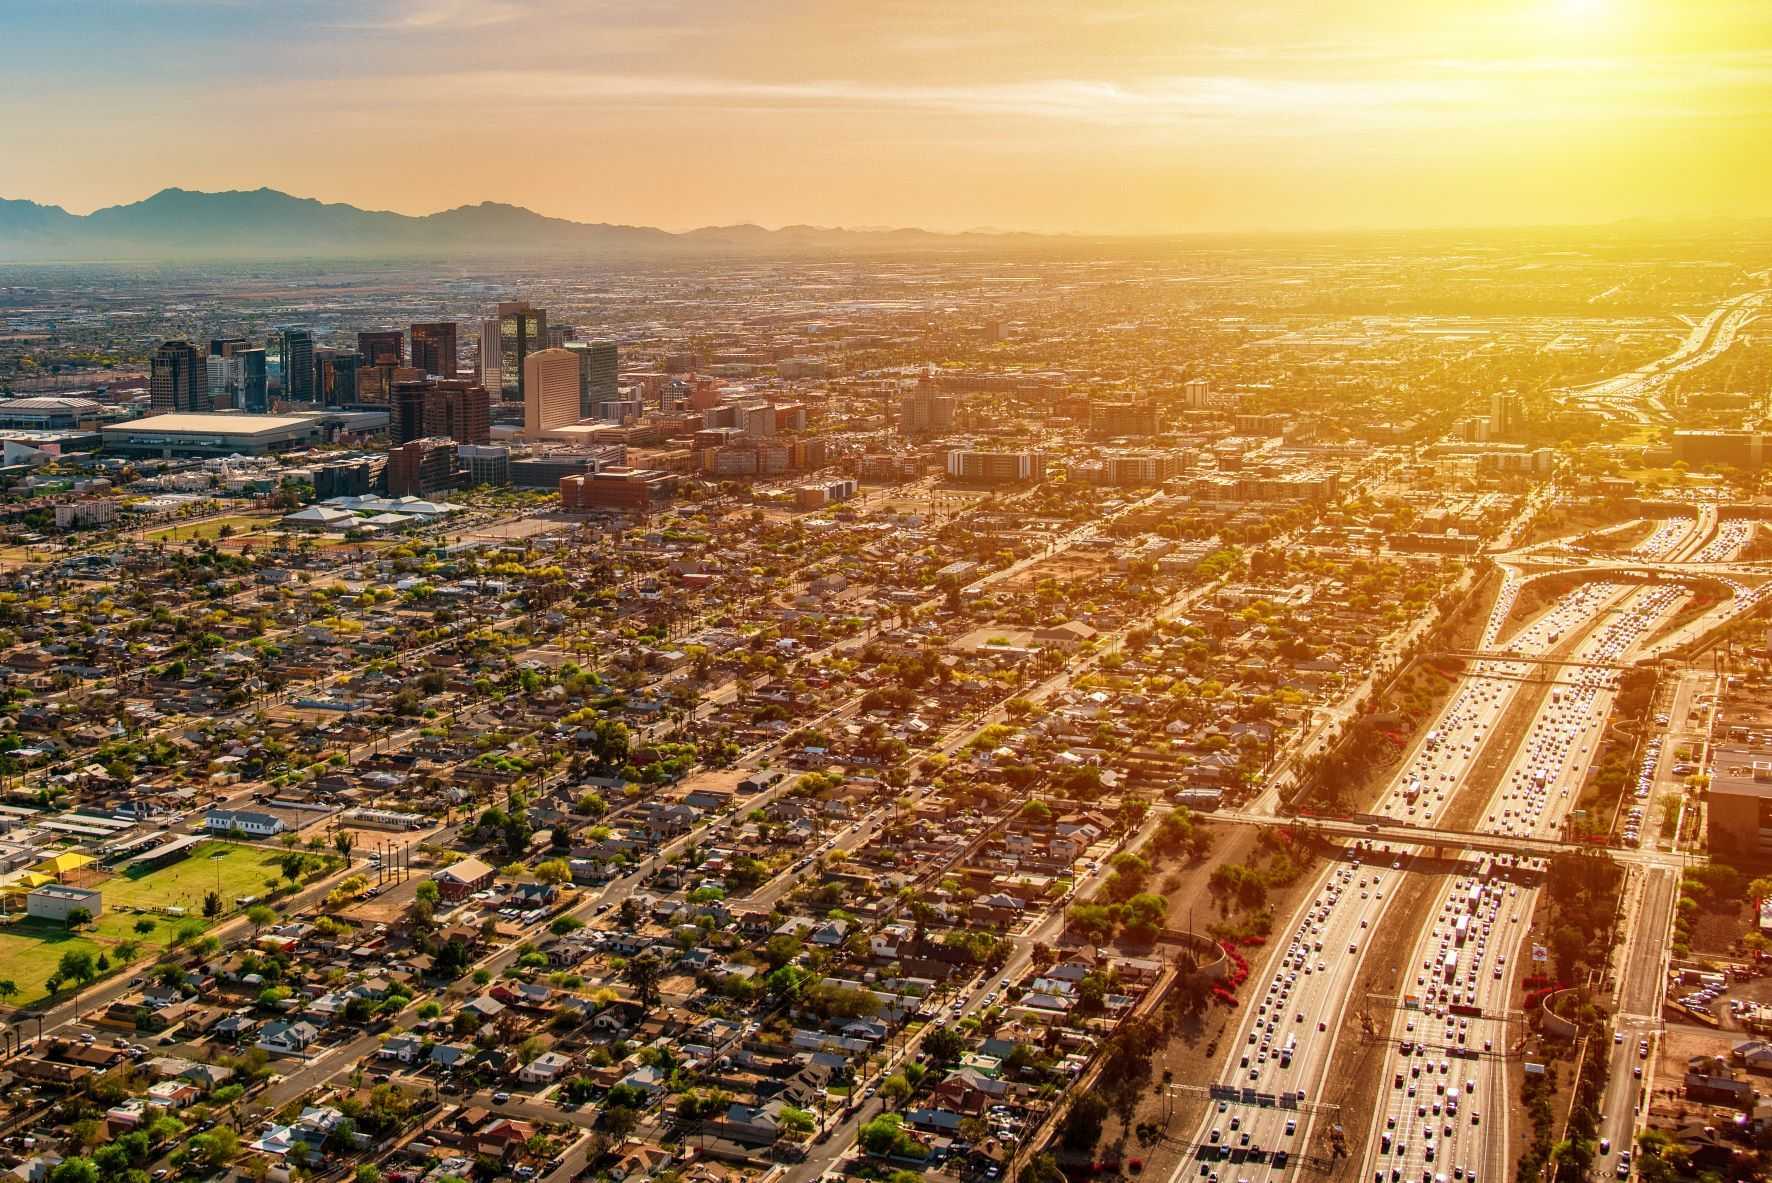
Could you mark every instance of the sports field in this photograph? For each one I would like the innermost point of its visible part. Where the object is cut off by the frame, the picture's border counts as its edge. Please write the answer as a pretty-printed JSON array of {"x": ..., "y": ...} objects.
[
  {"x": 135, "y": 922},
  {"x": 31, "y": 949},
  {"x": 229, "y": 868},
  {"x": 235, "y": 524}
]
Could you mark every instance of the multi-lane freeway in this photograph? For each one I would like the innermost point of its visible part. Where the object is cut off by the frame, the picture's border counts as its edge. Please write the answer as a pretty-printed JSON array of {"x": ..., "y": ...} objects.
[
  {"x": 1442, "y": 1112},
  {"x": 1636, "y": 395}
]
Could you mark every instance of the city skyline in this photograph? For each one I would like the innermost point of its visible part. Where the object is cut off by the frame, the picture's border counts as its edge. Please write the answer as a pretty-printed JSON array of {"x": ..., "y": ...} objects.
[{"x": 1160, "y": 118}]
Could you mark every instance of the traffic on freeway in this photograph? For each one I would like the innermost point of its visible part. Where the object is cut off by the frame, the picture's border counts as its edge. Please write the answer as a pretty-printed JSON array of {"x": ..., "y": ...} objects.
[
  {"x": 1263, "y": 1107},
  {"x": 1452, "y": 1030}
]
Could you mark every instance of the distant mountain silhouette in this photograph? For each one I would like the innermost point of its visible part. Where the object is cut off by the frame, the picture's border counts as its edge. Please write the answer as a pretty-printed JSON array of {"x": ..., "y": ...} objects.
[{"x": 182, "y": 224}]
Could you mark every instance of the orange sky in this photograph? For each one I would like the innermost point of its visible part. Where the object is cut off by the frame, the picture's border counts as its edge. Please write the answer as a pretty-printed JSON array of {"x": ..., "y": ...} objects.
[{"x": 1106, "y": 116}]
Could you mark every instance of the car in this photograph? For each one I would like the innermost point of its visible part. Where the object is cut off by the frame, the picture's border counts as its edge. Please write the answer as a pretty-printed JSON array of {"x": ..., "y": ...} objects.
[{"x": 500, "y": 1098}]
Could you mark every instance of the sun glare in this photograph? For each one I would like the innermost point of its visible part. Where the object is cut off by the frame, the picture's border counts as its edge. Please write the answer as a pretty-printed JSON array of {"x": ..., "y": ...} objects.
[{"x": 1579, "y": 10}]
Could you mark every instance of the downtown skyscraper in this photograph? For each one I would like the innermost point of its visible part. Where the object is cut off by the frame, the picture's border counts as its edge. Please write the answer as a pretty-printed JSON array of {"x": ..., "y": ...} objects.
[
  {"x": 296, "y": 356},
  {"x": 178, "y": 379}
]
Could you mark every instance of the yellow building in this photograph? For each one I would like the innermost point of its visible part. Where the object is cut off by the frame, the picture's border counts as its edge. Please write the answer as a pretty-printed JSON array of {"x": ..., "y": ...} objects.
[{"x": 550, "y": 391}]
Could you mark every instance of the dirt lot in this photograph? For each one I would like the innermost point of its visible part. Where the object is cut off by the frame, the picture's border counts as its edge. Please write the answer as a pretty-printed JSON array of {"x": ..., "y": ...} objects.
[
  {"x": 1565, "y": 521},
  {"x": 1679, "y": 1044},
  {"x": 1715, "y": 934},
  {"x": 1617, "y": 540},
  {"x": 1067, "y": 565}
]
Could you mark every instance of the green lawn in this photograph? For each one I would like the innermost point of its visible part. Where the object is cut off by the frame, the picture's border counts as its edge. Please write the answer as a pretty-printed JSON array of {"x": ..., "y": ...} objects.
[
  {"x": 30, "y": 949},
  {"x": 234, "y": 871},
  {"x": 202, "y": 531}
]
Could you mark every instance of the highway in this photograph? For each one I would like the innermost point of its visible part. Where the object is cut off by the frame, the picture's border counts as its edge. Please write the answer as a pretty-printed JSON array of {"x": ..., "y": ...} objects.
[
  {"x": 1636, "y": 394},
  {"x": 1285, "y": 1044},
  {"x": 1477, "y": 949}
]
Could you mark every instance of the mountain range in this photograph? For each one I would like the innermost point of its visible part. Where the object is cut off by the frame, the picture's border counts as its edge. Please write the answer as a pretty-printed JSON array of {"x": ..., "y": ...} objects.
[{"x": 266, "y": 223}]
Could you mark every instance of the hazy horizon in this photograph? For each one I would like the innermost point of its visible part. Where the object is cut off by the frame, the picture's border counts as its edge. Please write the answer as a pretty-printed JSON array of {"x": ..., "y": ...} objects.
[{"x": 1129, "y": 118}]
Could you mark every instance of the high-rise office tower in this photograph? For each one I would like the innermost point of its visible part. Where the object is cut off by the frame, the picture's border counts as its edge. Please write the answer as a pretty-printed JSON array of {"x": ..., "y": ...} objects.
[
  {"x": 254, "y": 399},
  {"x": 433, "y": 348},
  {"x": 492, "y": 362},
  {"x": 558, "y": 335},
  {"x": 179, "y": 380},
  {"x": 550, "y": 391},
  {"x": 925, "y": 412},
  {"x": 597, "y": 363},
  {"x": 223, "y": 381},
  {"x": 296, "y": 357},
  {"x": 335, "y": 376},
  {"x": 460, "y": 410},
  {"x": 406, "y": 419},
  {"x": 448, "y": 407},
  {"x": 375, "y": 384},
  {"x": 382, "y": 347},
  {"x": 1504, "y": 414},
  {"x": 226, "y": 371},
  {"x": 522, "y": 330}
]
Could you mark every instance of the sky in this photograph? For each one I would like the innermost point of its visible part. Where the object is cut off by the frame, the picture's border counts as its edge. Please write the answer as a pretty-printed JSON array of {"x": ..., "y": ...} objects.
[{"x": 1084, "y": 116}]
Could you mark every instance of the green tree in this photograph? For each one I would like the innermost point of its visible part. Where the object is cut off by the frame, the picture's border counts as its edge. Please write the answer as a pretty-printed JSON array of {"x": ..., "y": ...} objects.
[
  {"x": 1081, "y": 1128},
  {"x": 642, "y": 972},
  {"x": 883, "y": 1136},
  {"x": 74, "y": 1170},
  {"x": 216, "y": 1147},
  {"x": 896, "y": 1089},
  {"x": 944, "y": 1045},
  {"x": 77, "y": 965},
  {"x": 555, "y": 871},
  {"x": 620, "y": 1121}
]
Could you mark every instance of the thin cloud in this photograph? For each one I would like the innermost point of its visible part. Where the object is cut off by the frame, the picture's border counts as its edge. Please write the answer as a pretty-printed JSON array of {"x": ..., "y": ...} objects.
[
  {"x": 442, "y": 16},
  {"x": 1075, "y": 100}
]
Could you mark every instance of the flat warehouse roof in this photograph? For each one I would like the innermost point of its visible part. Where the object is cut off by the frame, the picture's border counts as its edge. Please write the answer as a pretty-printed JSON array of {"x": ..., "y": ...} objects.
[{"x": 213, "y": 424}]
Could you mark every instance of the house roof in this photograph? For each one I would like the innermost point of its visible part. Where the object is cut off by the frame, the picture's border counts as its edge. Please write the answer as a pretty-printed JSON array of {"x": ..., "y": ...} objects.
[{"x": 467, "y": 870}]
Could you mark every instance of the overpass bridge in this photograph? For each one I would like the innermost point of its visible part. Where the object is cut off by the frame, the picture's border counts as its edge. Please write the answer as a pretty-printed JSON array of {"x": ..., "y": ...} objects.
[
  {"x": 1404, "y": 834},
  {"x": 1670, "y": 570},
  {"x": 1509, "y": 655}
]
